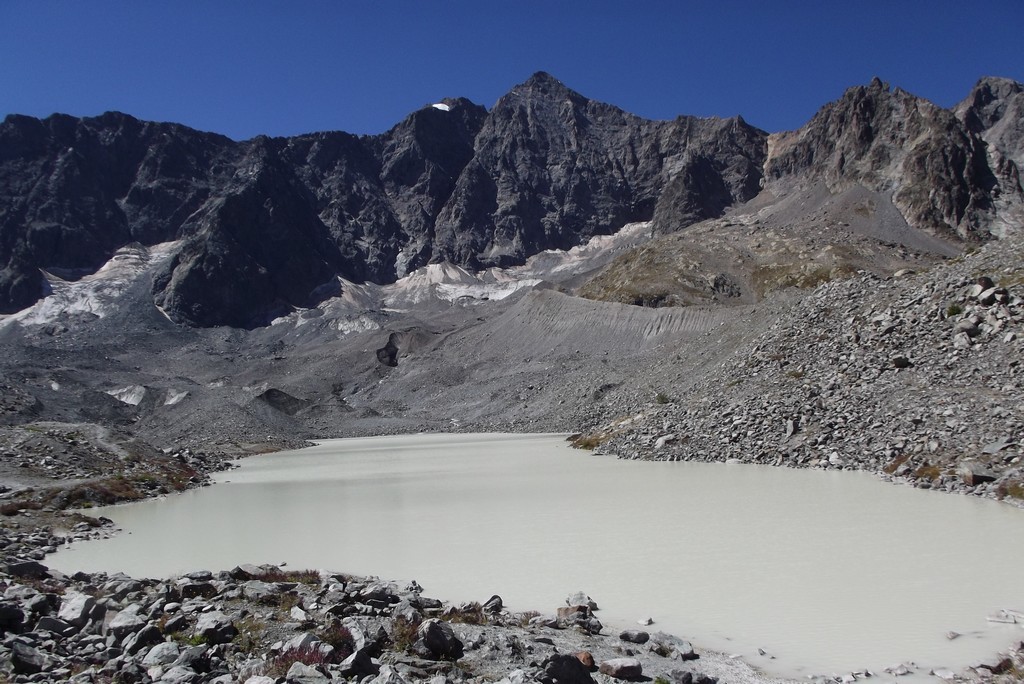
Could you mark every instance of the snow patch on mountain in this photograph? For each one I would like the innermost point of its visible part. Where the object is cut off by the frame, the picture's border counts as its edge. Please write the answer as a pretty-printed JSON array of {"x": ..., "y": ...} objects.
[
  {"x": 446, "y": 284},
  {"x": 96, "y": 294},
  {"x": 131, "y": 395},
  {"x": 174, "y": 397}
]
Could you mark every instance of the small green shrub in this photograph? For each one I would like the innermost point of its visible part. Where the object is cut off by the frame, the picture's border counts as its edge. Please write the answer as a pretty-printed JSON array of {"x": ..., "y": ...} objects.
[
  {"x": 523, "y": 619},
  {"x": 340, "y": 638},
  {"x": 279, "y": 666},
  {"x": 287, "y": 601},
  {"x": 185, "y": 640},
  {"x": 300, "y": 576},
  {"x": 468, "y": 614},
  {"x": 403, "y": 634},
  {"x": 1014, "y": 490},
  {"x": 662, "y": 398},
  {"x": 954, "y": 310},
  {"x": 250, "y": 630}
]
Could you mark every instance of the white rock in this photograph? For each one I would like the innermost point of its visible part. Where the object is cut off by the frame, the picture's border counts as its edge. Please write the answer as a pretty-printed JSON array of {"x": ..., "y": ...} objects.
[{"x": 162, "y": 654}]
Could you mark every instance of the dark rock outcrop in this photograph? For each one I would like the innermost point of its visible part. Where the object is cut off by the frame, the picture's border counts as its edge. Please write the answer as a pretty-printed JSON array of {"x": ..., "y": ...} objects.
[
  {"x": 388, "y": 354},
  {"x": 74, "y": 190},
  {"x": 282, "y": 401},
  {"x": 553, "y": 168}
]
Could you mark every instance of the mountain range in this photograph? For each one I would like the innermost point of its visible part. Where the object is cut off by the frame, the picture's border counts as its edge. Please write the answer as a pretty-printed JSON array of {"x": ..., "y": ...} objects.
[{"x": 268, "y": 226}]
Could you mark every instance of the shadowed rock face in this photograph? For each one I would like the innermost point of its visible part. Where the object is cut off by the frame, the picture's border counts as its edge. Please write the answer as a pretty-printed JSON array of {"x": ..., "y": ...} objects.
[
  {"x": 74, "y": 190},
  {"x": 552, "y": 168},
  {"x": 267, "y": 225}
]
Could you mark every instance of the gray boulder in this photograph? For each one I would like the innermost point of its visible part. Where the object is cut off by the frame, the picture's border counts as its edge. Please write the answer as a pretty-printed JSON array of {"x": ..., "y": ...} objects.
[
  {"x": 565, "y": 669},
  {"x": 581, "y": 599},
  {"x": 683, "y": 677},
  {"x": 255, "y": 590},
  {"x": 147, "y": 636},
  {"x": 76, "y": 608},
  {"x": 388, "y": 675},
  {"x": 27, "y": 660},
  {"x": 11, "y": 618},
  {"x": 126, "y": 622},
  {"x": 358, "y": 665},
  {"x": 195, "y": 658},
  {"x": 635, "y": 636},
  {"x": 405, "y": 610},
  {"x": 175, "y": 624},
  {"x": 300, "y": 673},
  {"x": 974, "y": 473},
  {"x": 55, "y": 626},
  {"x": 437, "y": 641},
  {"x": 622, "y": 668},
  {"x": 162, "y": 654},
  {"x": 180, "y": 675},
  {"x": 197, "y": 590},
  {"x": 671, "y": 646},
  {"x": 215, "y": 628},
  {"x": 27, "y": 570},
  {"x": 494, "y": 605},
  {"x": 996, "y": 664}
]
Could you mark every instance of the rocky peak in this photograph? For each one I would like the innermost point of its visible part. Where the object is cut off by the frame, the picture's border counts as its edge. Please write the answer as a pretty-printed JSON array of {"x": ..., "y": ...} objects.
[
  {"x": 892, "y": 141},
  {"x": 988, "y": 103},
  {"x": 994, "y": 111},
  {"x": 543, "y": 82}
]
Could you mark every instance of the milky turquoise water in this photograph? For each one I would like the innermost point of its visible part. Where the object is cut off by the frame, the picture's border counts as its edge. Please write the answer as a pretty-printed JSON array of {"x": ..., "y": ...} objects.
[{"x": 827, "y": 571}]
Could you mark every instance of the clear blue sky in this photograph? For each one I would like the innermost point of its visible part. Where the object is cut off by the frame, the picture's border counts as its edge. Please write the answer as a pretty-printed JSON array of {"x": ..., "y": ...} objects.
[{"x": 296, "y": 66}]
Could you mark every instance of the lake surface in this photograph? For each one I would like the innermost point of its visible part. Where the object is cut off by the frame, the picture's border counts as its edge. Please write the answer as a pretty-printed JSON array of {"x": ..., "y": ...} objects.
[{"x": 827, "y": 571}]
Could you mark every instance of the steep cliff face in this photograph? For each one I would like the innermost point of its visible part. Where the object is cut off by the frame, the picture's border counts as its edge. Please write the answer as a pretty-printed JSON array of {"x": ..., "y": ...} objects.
[
  {"x": 74, "y": 190},
  {"x": 552, "y": 167},
  {"x": 421, "y": 161},
  {"x": 994, "y": 111},
  {"x": 890, "y": 141},
  {"x": 256, "y": 250}
]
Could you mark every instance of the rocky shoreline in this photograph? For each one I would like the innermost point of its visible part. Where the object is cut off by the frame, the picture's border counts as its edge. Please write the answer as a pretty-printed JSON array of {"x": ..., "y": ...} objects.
[
  {"x": 267, "y": 625},
  {"x": 263, "y": 624}
]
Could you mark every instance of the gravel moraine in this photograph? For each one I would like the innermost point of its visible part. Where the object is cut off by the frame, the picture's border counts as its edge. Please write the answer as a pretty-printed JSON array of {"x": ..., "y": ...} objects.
[{"x": 917, "y": 377}]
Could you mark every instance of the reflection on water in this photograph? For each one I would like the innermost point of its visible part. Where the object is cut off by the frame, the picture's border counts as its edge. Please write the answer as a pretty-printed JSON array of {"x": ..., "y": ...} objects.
[{"x": 827, "y": 571}]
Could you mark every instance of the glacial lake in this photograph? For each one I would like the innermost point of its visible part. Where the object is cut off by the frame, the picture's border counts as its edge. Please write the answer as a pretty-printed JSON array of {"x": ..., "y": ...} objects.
[{"x": 827, "y": 571}]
